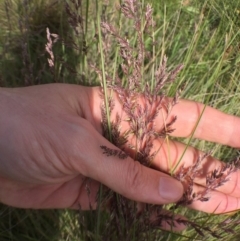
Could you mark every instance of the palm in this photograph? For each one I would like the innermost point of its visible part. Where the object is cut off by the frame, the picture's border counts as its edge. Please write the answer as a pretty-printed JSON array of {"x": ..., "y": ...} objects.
[{"x": 45, "y": 174}]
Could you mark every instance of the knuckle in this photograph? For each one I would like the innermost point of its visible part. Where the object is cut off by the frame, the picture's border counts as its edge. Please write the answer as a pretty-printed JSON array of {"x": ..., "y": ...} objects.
[{"x": 134, "y": 179}]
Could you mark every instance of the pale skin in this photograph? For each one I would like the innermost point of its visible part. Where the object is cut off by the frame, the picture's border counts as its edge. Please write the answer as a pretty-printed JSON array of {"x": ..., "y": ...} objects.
[{"x": 50, "y": 138}]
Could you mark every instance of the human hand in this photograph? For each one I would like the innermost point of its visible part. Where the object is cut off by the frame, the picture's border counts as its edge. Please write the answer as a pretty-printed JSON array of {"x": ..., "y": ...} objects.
[{"x": 50, "y": 138}]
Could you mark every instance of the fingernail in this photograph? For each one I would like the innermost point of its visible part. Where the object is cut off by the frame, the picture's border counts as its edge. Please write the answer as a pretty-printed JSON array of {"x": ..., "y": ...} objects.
[{"x": 170, "y": 189}]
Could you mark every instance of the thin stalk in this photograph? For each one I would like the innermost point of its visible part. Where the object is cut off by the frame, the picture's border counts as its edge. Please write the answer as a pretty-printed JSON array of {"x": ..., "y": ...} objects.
[
  {"x": 99, "y": 10},
  {"x": 141, "y": 36},
  {"x": 208, "y": 218},
  {"x": 86, "y": 16},
  {"x": 83, "y": 42},
  {"x": 99, "y": 211},
  {"x": 168, "y": 146},
  {"x": 189, "y": 140},
  {"x": 85, "y": 29},
  {"x": 153, "y": 65},
  {"x": 104, "y": 82},
  {"x": 163, "y": 34},
  {"x": 168, "y": 153},
  {"x": 117, "y": 49}
]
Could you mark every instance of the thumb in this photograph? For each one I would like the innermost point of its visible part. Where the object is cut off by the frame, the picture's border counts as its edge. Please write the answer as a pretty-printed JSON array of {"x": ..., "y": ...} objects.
[{"x": 112, "y": 167}]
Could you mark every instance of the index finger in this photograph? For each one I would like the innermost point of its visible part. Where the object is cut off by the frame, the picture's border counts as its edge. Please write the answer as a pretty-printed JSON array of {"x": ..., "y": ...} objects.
[{"x": 212, "y": 125}]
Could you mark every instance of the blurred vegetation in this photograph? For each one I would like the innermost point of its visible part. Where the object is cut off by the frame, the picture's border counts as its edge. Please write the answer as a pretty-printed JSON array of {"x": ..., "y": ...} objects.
[{"x": 204, "y": 35}]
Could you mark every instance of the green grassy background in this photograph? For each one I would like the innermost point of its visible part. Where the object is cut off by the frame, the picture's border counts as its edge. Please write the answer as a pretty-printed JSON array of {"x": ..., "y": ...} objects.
[{"x": 204, "y": 35}]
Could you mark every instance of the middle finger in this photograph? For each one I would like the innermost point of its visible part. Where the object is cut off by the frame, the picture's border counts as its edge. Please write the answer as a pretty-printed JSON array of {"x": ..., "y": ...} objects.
[{"x": 172, "y": 155}]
